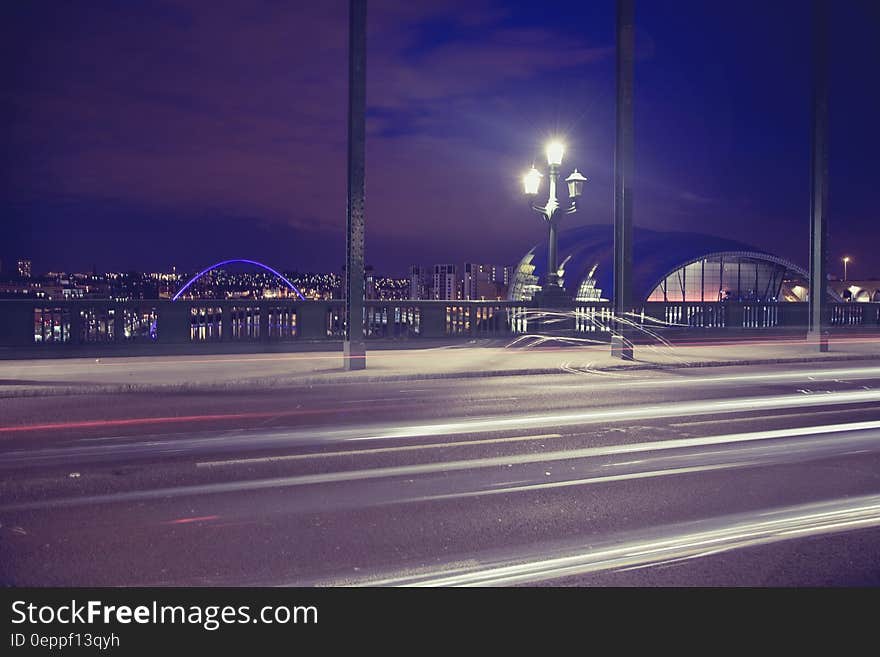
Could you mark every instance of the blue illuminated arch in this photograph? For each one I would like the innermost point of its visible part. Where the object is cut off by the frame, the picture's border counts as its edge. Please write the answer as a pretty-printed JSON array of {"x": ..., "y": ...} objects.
[{"x": 226, "y": 262}]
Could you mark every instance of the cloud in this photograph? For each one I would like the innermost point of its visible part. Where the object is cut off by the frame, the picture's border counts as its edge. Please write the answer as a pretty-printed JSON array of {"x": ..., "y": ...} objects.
[
  {"x": 189, "y": 107},
  {"x": 691, "y": 197}
]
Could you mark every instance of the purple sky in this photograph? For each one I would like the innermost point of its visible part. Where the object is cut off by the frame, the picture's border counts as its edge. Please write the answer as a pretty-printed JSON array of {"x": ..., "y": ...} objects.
[{"x": 142, "y": 135}]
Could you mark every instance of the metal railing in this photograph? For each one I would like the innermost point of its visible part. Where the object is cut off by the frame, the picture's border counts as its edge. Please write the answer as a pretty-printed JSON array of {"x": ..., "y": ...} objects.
[{"x": 35, "y": 322}]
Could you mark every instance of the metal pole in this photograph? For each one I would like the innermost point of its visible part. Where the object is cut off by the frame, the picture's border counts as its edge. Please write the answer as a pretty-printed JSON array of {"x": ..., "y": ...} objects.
[
  {"x": 817, "y": 334},
  {"x": 354, "y": 351},
  {"x": 552, "y": 217},
  {"x": 621, "y": 346},
  {"x": 552, "y": 265}
]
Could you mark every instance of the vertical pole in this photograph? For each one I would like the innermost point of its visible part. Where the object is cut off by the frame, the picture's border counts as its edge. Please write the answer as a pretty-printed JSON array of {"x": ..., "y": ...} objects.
[
  {"x": 621, "y": 346},
  {"x": 817, "y": 334},
  {"x": 354, "y": 351},
  {"x": 552, "y": 258},
  {"x": 552, "y": 244}
]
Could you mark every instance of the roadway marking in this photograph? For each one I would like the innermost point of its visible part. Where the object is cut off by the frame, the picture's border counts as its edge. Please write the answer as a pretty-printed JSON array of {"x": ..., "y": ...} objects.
[{"x": 379, "y": 450}]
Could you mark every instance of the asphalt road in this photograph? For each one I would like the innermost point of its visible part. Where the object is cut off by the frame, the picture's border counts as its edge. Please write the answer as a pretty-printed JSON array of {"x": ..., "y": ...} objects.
[{"x": 720, "y": 476}]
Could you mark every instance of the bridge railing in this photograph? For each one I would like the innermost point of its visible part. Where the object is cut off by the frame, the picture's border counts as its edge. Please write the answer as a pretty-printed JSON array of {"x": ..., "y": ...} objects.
[
  {"x": 201, "y": 321},
  {"x": 36, "y": 322},
  {"x": 755, "y": 315}
]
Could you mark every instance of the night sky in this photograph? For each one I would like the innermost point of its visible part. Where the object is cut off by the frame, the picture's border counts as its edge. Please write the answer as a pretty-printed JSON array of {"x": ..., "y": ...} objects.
[{"x": 145, "y": 134}]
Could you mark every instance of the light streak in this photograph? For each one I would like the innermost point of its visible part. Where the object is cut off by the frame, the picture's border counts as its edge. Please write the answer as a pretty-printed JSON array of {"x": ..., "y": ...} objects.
[
  {"x": 658, "y": 546},
  {"x": 813, "y": 440},
  {"x": 173, "y": 419},
  {"x": 186, "y": 521},
  {"x": 380, "y": 450}
]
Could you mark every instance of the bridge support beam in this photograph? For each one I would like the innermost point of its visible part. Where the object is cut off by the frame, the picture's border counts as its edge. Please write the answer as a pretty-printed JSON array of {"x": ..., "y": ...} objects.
[
  {"x": 817, "y": 330},
  {"x": 354, "y": 349},
  {"x": 621, "y": 344}
]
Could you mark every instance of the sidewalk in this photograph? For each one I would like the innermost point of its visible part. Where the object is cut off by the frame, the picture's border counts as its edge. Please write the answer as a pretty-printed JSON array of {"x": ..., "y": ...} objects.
[{"x": 41, "y": 377}]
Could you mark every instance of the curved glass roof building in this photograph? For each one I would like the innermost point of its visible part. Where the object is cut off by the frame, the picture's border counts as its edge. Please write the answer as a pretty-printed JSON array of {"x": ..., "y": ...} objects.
[{"x": 667, "y": 266}]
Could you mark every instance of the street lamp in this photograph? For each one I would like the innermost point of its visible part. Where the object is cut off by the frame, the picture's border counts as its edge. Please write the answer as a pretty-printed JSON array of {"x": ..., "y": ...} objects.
[
  {"x": 551, "y": 210},
  {"x": 846, "y": 260},
  {"x": 531, "y": 181},
  {"x": 555, "y": 151},
  {"x": 575, "y": 185}
]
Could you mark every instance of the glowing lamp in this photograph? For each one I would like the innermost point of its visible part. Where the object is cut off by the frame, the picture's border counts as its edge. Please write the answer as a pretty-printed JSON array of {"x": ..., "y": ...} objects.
[
  {"x": 555, "y": 151},
  {"x": 531, "y": 182}
]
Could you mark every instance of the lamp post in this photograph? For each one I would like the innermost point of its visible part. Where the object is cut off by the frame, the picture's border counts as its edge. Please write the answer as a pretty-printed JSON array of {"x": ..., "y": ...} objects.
[
  {"x": 552, "y": 212},
  {"x": 846, "y": 260}
]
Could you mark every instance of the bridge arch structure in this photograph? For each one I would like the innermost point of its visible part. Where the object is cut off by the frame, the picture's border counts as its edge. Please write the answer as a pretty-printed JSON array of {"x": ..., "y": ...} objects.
[{"x": 242, "y": 260}]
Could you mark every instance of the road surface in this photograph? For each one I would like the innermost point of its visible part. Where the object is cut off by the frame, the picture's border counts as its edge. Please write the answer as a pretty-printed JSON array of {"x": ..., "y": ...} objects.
[{"x": 762, "y": 475}]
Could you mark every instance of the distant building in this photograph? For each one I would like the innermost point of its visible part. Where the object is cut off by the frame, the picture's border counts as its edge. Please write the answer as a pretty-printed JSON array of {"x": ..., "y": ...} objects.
[
  {"x": 857, "y": 290},
  {"x": 482, "y": 282},
  {"x": 24, "y": 268},
  {"x": 392, "y": 289},
  {"x": 13, "y": 290},
  {"x": 419, "y": 283},
  {"x": 507, "y": 275},
  {"x": 667, "y": 267},
  {"x": 475, "y": 281},
  {"x": 446, "y": 286},
  {"x": 369, "y": 283}
]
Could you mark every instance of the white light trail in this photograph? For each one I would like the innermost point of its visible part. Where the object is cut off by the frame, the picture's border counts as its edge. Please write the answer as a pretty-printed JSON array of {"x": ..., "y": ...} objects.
[
  {"x": 821, "y": 375},
  {"x": 381, "y": 450},
  {"x": 863, "y": 433},
  {"x": 626, "y": 413},
  {"x": 658, "y": 546},
  {"x": 541, "y": 422}
]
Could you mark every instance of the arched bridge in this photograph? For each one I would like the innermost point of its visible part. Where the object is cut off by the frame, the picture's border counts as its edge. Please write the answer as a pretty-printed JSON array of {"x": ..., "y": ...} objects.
[{"x": 242, "y": 260}]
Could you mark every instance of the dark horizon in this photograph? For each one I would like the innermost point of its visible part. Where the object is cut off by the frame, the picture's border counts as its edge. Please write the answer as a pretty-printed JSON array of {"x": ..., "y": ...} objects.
[{"x": 180, "y": 133}]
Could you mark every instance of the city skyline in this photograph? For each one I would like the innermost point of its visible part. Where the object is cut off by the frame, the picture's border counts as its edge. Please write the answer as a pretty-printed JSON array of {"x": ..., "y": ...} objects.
[
  {"x": 251, "y": 279},
  {"x": 154, "y": 159}
]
